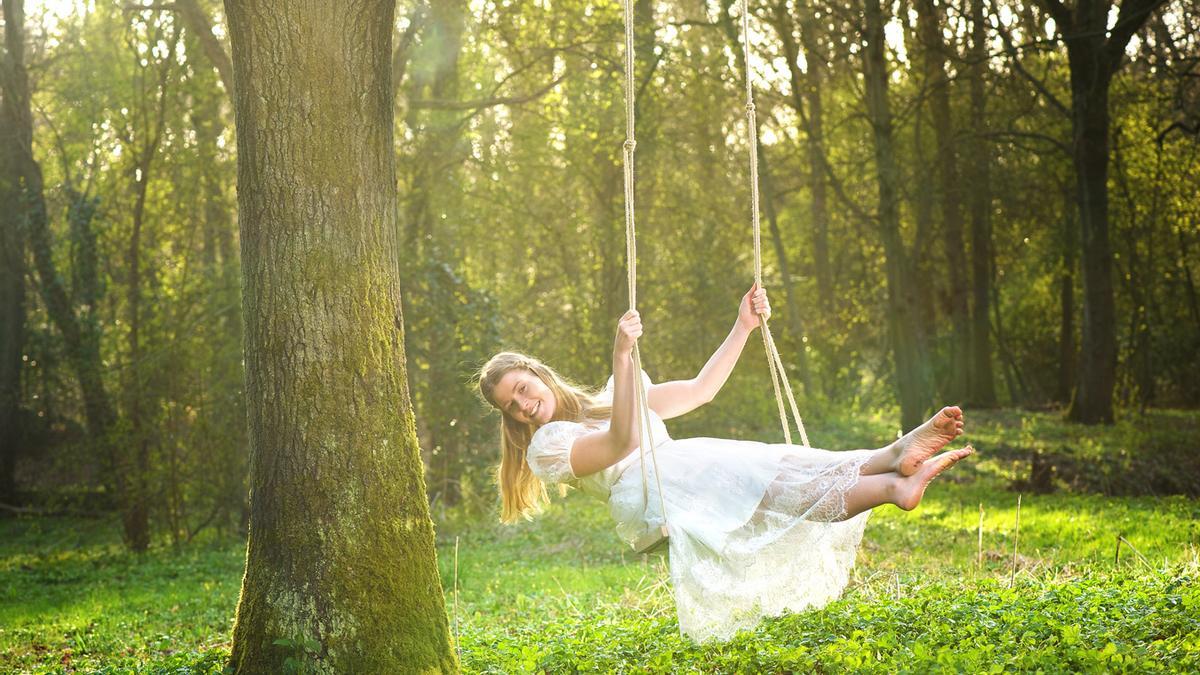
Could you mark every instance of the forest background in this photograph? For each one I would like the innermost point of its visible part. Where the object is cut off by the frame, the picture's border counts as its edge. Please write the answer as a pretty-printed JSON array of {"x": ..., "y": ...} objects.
[{"x": 939, "y": 224}]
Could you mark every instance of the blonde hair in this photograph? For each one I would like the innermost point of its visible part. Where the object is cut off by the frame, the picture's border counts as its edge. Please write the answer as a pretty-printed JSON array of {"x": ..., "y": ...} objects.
[{"x": 522, "y": 494}]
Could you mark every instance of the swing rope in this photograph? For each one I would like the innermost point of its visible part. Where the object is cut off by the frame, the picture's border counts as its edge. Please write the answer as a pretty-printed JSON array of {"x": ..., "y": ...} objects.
[
  {"x": 774, "y": 362},
  {"x": 630, "y": 145}
]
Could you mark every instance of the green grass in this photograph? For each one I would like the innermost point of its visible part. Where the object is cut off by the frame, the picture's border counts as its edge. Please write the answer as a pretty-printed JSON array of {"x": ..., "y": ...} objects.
[{"x": 561, "y": 594}]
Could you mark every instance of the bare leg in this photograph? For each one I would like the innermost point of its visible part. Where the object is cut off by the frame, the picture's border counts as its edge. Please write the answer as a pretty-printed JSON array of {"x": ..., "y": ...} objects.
[
  {"x": 892, "y": 488},
  {"x": 906, "y": 454},
  {"x": 872, "y": 490},
  {"x": 882, "y": 462}
]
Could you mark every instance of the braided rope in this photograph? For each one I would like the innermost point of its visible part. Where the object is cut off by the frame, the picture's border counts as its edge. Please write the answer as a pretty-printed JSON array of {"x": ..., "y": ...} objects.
[
  {"x": 628, "y": 149},
  {"x": 774, "y": 362}
]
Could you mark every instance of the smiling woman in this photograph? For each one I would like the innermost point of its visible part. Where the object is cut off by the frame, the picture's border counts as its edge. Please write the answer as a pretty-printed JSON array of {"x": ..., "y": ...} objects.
[{"x": 753, "y": 529}]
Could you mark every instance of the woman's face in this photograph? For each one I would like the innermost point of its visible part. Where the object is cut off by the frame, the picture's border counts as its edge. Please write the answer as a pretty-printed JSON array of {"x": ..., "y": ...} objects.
[{"x": 524, "y": 397}]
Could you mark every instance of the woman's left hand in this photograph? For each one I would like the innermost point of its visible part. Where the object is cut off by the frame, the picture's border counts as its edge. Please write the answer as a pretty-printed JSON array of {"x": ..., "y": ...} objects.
[{"x": 754, "y": 302}]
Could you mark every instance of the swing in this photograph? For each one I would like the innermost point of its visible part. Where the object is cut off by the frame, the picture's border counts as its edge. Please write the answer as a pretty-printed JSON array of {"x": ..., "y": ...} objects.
[{"x": 656, "y": 539}]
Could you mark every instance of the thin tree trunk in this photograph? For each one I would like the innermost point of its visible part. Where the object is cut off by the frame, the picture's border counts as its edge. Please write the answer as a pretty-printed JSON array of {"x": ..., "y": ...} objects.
[
  {"x": 198, "y": 22},
  {"x": 806, "y": 93},
  {"x": 795, "y": 320},
  {"x": 12, "y": 301},
  {"x": 815, "y": 128},
  {"x": 934, "y": 51},
  {"x": 912, "y": 381},
  {"x": 341, "y": 560},
  {"x": 982, "y": 387},
  {"x": 136, "y": 518},
  {"x": 83, "y": 351},
  {"x": 1067, "y": 354}
]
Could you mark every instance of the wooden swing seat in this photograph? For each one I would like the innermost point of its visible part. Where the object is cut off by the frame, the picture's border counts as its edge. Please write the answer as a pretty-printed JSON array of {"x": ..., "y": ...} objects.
[{"x": 654, "y": 540}]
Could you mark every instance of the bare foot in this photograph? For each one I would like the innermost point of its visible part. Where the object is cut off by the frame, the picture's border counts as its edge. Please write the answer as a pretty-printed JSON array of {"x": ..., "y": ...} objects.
[
  {"x": 923, "y": 442},
  {"x": 910, "y": 490}
]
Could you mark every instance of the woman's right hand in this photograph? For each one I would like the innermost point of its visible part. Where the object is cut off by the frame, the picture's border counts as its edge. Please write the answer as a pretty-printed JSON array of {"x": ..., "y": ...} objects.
[{"x": 629, "y": 329}]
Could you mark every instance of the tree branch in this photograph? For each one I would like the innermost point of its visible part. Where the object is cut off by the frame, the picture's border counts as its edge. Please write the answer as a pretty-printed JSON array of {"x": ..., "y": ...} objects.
[
  {"x": 1031, "y": 135},
  {"x": 400, "y": 53},
  {"x": 1062, "y": 15},
  {"x": 1016, "y": 63},
  {"x": 1132, "y": 16},
  {"x": 441, "y": 104},
  {"x": 195, "y": 20}
]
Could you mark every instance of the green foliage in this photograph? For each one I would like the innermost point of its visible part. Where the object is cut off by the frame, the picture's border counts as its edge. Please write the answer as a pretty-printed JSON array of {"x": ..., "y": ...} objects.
[{"x": 561, "y": 594}]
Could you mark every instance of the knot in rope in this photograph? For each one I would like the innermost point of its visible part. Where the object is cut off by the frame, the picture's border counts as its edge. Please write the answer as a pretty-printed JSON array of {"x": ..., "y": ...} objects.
[
  {"x": 750, "y": 107},
  {"x": 630, "y": 145}
]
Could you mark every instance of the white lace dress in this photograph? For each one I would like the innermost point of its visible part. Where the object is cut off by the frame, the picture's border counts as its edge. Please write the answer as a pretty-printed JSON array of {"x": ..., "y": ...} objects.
[{"x": 754, "y": 527}]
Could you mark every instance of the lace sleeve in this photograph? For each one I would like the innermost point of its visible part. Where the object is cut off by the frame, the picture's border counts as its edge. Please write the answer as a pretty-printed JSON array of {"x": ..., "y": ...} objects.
[{"x": 549, "y": 453}]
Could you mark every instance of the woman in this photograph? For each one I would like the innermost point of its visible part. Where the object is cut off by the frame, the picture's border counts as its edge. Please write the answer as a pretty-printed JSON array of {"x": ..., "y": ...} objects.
[{"x": 755, "y": 528}]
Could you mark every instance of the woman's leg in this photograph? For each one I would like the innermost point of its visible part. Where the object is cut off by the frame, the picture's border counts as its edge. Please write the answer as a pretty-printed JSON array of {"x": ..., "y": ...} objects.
[
  {"x": 906, "y": 454},
  {"x": 906, "y": 492}
]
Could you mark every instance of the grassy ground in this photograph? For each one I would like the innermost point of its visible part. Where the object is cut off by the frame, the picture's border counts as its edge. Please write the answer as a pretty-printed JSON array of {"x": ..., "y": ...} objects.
[{"x": 561, "y": 595}]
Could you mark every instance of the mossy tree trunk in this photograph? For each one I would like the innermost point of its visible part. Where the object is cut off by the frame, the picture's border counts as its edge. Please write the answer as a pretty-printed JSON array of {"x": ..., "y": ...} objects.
[{"x": 341, "y": 562}]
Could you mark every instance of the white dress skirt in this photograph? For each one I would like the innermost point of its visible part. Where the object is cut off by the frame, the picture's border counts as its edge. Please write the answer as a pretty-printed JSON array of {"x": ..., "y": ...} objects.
[{"x": 756, "y": 529}]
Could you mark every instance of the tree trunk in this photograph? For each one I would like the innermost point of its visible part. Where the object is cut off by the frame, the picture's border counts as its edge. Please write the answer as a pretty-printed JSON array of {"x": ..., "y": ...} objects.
[
  {"x": 341, "y": 561},
  {"x": 1098, "y": 352},
  {"x": 1094, "y": 54},
  {"x": 82, "y": 344},
  {"x": 819, "y": 209},
  {"x": 795, "y": 321},
  {"x": 1067, "y": 356},
  {"x": 982, "y": 386},
  {"x": 934, "y": 50},
  {"x": 136, "y": 518},
  {"x": 12, "y": 301},
  {"x": 911, "y": 376}
]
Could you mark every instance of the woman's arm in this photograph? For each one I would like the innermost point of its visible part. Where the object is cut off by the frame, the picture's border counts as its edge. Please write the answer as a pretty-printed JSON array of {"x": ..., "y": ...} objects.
[
  {"x": 672, "y": 399},
  {"x": 601, "y": 449}
]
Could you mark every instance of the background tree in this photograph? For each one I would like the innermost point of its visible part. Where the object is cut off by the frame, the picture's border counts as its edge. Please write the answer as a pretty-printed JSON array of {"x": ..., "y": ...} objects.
[{"x": 1095, "y": 54}]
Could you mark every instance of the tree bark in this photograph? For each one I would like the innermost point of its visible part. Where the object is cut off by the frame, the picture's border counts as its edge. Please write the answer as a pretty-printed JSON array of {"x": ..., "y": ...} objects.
[
  {"x": 341, "y": 561},
  {"x": 911, "y": 374},
  {"x": 1098, "y": 357}
]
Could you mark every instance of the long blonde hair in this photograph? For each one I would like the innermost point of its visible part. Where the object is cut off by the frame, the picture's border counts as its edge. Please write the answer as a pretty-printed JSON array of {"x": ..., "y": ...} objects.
[{"x": 523, "y": 494}]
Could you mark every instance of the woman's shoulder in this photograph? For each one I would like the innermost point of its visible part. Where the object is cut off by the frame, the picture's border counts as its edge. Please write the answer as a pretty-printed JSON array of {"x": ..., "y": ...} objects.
[{"x": 553, "y": 434}]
